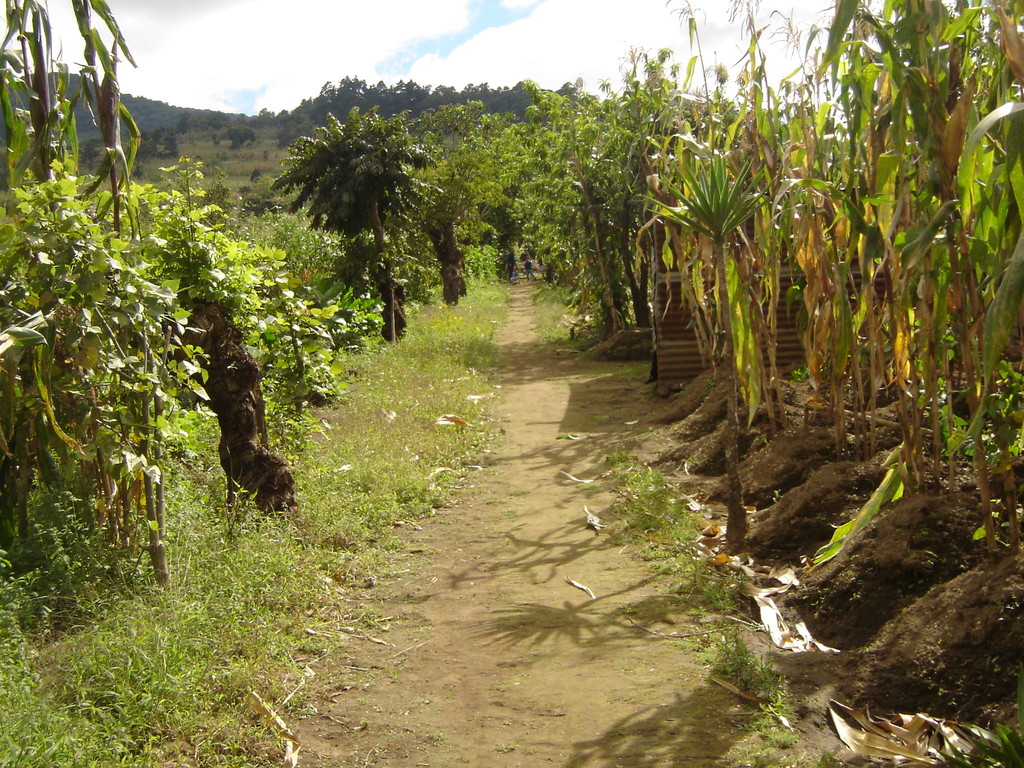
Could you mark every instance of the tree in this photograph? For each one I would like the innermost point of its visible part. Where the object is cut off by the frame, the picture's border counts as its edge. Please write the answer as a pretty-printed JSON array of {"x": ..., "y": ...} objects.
[
  {"x": 456, "y": 185},
  {"x": 355, "y": 177},
  {"x": 240, "y": 135}
]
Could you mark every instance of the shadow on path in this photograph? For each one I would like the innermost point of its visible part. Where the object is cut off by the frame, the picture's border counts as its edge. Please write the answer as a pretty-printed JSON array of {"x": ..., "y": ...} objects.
[{"x": 675, "y": 734}]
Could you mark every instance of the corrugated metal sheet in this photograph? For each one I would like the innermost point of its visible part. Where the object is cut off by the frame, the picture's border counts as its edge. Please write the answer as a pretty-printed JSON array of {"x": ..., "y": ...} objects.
[{"x": 678, "y": 352}]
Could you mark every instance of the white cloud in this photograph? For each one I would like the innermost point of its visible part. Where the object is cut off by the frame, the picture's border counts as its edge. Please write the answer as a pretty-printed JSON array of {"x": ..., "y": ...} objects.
[
  {"x": 284, "y": 52},
  {"x": 252, "y": 54},
  {"x": 562, "y": 40}
]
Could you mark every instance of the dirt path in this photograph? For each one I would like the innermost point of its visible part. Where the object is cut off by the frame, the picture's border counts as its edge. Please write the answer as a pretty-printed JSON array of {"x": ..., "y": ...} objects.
[{"x": 494, "y": 659}]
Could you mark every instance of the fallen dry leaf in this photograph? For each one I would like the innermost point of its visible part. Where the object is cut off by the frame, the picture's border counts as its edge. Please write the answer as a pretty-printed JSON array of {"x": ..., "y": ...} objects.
[
  {"x": 450, "y": 419},
  {"x": 272, "y": 719},
  {"x": 916, "y": 738},
  {"x": 580, "y": 586}
]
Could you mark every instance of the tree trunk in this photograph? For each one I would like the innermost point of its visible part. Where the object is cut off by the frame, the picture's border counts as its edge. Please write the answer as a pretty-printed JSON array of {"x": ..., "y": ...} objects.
[
  {"x": 233, "y": 386},
  {"x": 736, "y": 524},
  {"x": 393, "y": 296},
  {"x": 391, "y": 292},
  {"x": 638, "y": 283},
  {"x": 450, "y": 258}
]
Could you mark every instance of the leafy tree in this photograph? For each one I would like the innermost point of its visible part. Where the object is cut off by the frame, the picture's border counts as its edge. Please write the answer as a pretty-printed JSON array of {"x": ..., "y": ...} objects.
[
  {"x": 569, "y": 202},
  {"x": 457, "y": 185},
  {"x": 240, "y": 135},
  {"x": 357, "y": 177}
]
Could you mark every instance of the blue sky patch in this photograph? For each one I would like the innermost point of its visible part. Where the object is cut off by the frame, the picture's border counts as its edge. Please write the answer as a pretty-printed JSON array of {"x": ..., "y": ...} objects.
[{"x": 245, "y": 101}]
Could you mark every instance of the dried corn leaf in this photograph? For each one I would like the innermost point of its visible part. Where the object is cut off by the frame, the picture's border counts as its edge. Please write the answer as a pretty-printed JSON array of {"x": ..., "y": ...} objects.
[
  {"x": 784, "y": 575},
  {"x": 593, "y": 521},
  {"x": 798, "y": 641},
  {"x": 919, "y": 738},
  {"x": 272, "y": 719},
  {"x": 742, "y": 694},
  {"x": 450, "y": 419},
  {"x": 713, "y": 531}
]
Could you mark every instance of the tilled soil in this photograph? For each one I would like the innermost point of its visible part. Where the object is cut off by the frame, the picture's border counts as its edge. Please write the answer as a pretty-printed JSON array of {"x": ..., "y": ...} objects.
[{"x": 492, "y": 658}]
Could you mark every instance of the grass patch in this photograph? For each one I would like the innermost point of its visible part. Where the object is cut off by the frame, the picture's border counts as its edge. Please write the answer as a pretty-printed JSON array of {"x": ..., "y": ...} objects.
[
  {"x": 657, "y": 515},
  {"x": 137, "y": 676},
  {"x": 552, "y": 319}
]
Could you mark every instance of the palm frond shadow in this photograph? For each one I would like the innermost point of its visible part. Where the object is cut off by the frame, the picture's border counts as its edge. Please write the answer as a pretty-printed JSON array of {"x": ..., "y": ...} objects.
[
  {"x": 662, "y": 736},
  {"x": 593, "y": 622},
  {"x": 535, "y": 624}
]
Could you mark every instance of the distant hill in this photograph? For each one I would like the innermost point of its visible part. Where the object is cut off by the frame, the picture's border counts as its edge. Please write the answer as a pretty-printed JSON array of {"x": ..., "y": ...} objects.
[
  {"x": 150, "y": 115},
  {"x": 241, "y": 148},
  {"x": 404, "y": 96},
  {"x": 336, "y": 99}
]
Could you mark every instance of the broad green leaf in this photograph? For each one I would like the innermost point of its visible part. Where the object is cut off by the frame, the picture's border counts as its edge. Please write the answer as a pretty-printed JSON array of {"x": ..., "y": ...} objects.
[
  {"x": 1000, "y": 113},
  {"x": 890, "y": 490},
  {"x": 1002, "y": 314},
  {"x": 846, "y": 10}
]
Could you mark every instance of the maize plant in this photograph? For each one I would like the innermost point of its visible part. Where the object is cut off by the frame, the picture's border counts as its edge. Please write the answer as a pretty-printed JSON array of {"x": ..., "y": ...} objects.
[{"x": 890, "y": 173}]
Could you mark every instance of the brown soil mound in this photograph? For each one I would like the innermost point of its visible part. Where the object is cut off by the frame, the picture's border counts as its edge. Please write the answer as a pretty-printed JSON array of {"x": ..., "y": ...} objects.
[
  {"x": 629, "y": 346},
  {"x": 887, "y": 567},
  {"x": 924, "y": 621},
  {"x": 955, "y": 652},
  {"x": 798, "y": 524}
]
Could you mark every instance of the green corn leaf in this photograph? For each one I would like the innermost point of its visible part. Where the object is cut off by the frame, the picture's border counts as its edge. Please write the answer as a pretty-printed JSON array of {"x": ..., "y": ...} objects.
[
  {"x": 1002, "y": 314},
  {"x": 890, "y": 490},
  {"x": 846, "y": 10},
  {"x": 1000, "y": 113}
]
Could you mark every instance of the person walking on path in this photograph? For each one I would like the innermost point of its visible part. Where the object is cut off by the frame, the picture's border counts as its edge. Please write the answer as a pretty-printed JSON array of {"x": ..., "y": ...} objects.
[{"x": 510, "y": 265}]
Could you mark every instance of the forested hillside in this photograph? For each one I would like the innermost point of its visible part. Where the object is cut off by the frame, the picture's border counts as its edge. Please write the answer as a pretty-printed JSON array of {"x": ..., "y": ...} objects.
[{"x": 238, "y": 149}]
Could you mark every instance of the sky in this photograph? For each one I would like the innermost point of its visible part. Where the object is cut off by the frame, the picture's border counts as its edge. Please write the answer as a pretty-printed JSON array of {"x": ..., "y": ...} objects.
[{"x": 250, "y": 55}]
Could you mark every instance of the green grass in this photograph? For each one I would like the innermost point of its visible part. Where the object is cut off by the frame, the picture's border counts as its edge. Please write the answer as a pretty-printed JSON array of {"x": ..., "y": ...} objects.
[
  {"x": 551, "y": 317},
  {"x": 137, "y": 676},
  {"x": 656, "y": 515}
]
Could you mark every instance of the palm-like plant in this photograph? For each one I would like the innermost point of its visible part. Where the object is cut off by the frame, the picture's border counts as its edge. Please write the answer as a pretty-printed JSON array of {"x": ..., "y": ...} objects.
[
  {"x": 354, "y": 176},
  {"x": 716, "y": 203}
]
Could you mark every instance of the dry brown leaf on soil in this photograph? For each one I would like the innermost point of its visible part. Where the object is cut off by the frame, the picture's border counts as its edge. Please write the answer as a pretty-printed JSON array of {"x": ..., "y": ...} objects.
[
  {"x": 917, "y": 738},
  {"x": 713, "y": 531},
  {"x": 581, "y": 586},
  {"x": 451, "y": 420}
]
